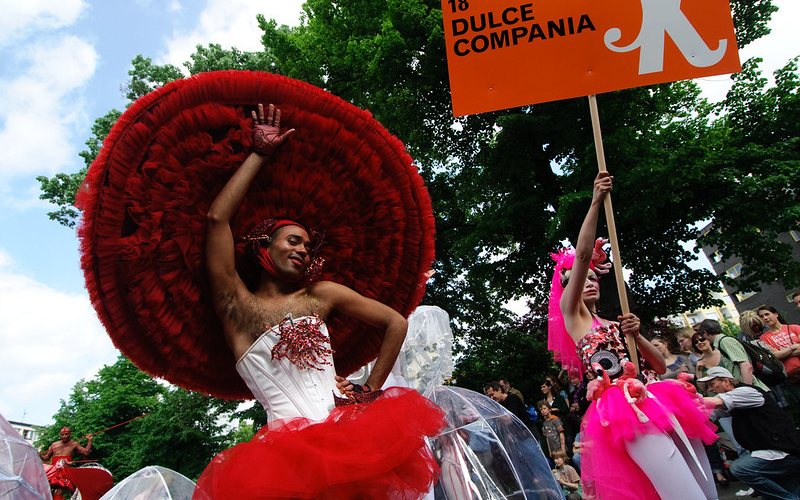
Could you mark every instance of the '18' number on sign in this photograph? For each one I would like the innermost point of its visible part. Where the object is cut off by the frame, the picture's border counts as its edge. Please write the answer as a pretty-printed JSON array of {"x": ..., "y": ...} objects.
[{"x": 458, "y": 4}]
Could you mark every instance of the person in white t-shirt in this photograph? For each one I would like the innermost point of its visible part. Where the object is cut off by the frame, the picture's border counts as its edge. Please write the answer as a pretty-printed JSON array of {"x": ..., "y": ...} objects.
[{"x": 764, "y": 429}]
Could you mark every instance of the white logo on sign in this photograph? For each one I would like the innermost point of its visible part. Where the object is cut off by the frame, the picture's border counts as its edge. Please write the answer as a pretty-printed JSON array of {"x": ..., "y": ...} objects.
[{"x": 661, "y": 18}]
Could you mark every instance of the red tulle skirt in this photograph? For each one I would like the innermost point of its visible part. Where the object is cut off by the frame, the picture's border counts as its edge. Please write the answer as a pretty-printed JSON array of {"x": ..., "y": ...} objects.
[
  {"x": 376, "y": 450},
  {"x": 607, "y": 470}
]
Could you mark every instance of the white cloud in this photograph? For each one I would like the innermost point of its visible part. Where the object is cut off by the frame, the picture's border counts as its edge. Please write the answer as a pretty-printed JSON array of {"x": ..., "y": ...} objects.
[
  {"x": 5, "y": 260},
  {"x": 775, "y": 49},
  {"x": 229, "y": 23},
  {"x": 41, "y": 108},
  {"x": 22, "y": 195},
  {"x": 50, "y": 340},
  {"x": 19, "y": 18}
]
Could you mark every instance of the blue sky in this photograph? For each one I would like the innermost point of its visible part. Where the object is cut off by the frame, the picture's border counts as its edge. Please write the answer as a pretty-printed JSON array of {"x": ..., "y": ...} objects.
[{"x": 62, "y": 63}]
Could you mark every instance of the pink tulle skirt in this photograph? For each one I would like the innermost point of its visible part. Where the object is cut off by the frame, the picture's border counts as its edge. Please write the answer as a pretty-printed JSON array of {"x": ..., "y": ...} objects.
[
  {"x": 607, "y": 470},
  {"x": 375, "y": 450}
]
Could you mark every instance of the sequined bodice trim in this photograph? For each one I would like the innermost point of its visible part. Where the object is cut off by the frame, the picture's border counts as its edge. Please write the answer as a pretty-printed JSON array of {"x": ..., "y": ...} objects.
[
  {"x": 291, "y": 376},
  {"x": 603, "y": 344},
  {"x": 303, "y": 343}
]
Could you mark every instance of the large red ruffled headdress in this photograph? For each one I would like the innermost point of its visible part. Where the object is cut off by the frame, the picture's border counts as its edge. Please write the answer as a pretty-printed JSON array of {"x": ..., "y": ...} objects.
[{"x": 146, "y": 196}]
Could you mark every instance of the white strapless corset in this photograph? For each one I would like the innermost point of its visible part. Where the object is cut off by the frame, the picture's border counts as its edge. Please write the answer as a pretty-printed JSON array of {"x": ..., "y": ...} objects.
[{"x": 284, "y": 389}]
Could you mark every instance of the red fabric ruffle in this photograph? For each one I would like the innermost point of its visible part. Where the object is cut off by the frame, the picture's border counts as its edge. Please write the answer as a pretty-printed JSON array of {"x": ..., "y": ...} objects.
[
  {"x": 375, "y": 450},
  {"x": 145, "y": 199},
  {"x": 55, "y": 473}
]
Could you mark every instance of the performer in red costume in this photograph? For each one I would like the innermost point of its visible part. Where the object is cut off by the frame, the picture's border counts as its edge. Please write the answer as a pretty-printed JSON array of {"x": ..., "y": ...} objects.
[
  {"x": 201, "y": 258},
  {"x": 147, "y": 195},
  {"x": 639, "y": 442},
  {"x": 60, "y": 453},
  {"x": 277, "y": 332}
]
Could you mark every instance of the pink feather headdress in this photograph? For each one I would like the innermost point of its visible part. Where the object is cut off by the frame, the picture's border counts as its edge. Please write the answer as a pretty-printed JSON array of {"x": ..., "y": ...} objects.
[{"x": 558, "y": 339}]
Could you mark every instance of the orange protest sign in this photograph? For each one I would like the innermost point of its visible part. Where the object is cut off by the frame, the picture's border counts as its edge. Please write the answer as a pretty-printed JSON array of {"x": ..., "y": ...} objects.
[{"x": 506, "y": 53}]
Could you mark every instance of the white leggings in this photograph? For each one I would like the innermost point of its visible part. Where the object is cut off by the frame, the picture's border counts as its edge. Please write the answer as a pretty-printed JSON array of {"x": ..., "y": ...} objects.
[{"x": 667, "y": 463}]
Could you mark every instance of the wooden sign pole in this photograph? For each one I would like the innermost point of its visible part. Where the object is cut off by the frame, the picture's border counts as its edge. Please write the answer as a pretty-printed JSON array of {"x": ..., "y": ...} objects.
[{"x": 612, "y": 227}]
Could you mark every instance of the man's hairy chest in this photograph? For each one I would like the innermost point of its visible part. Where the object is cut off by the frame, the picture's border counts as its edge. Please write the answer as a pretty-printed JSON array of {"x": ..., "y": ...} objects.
[{"x": 255, "y": 315}]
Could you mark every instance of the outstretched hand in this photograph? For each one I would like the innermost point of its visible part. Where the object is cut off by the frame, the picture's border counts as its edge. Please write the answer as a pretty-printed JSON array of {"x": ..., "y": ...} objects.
[{"x": 267, "y": 134}]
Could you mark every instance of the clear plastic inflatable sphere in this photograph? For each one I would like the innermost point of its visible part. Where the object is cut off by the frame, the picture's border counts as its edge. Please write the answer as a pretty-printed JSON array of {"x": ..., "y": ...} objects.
[{"x": 486, "y": 452}]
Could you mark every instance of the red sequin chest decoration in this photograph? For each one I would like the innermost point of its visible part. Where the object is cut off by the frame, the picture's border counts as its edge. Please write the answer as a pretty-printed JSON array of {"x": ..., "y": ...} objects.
[{"x": 303, "y": 343}]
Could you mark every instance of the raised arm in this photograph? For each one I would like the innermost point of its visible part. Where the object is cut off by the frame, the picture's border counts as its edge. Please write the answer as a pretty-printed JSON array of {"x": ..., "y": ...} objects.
[
  {"x": 220, "y": 260},
  {"x": 355, "y": 305},
  {"x": 88, "y": 449},
  {"x": 572, "y": 299}
]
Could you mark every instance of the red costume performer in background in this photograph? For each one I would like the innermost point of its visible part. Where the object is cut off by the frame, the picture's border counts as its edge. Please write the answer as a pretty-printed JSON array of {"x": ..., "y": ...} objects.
[{"x": 60, "y": 454}]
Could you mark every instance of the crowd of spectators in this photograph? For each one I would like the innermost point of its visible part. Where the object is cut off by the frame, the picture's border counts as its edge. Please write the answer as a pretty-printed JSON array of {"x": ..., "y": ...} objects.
[{"x": 757, "y": 419}]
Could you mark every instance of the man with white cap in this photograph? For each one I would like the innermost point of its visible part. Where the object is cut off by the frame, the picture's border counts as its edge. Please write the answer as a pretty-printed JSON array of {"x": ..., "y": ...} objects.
[{"x": 764, "y": 429}]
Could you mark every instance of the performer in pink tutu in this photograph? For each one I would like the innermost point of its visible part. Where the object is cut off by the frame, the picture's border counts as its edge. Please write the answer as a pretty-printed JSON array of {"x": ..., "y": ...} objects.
[
  {"x": 638, "y": 441},
  {"x": 371, "y": 445}
]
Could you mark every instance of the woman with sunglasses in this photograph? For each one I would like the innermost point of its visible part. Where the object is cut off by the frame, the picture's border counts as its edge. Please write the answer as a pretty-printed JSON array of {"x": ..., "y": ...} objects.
[{"x": 709, "y": 358}]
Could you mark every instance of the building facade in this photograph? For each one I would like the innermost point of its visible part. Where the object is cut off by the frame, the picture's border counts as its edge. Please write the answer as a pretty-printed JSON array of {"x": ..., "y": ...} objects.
[
  {"x": 770, "y": 294},
  {"x": 726, "y": 312},
  {"x": 29, "y": 432}
]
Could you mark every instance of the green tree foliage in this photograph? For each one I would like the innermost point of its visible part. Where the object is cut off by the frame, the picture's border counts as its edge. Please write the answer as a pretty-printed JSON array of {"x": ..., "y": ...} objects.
[
  {"x": 214, "y": 58},
  {"x": 755, "y": 174},
  {"x": 61, "y": 188},
  {"x": 181, "y": 430},
  {"x": 146, "y": 77},
  {"x": 517, "y": 351},
  {"x": 508, "y": 186},
  {"x": 751, "y": 19}
]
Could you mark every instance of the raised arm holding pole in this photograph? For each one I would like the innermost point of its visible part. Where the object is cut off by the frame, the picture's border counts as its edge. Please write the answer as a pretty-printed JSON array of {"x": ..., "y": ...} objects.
[{"x": 612, "y": 227}]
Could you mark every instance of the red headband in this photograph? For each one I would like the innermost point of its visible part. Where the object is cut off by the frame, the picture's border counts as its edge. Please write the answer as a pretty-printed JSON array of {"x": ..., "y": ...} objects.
[{"x": 266, "y": 228}]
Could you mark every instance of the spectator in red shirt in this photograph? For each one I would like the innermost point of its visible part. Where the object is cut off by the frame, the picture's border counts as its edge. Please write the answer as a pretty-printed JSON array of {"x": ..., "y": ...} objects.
[{"x": 784, "y": 340}]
